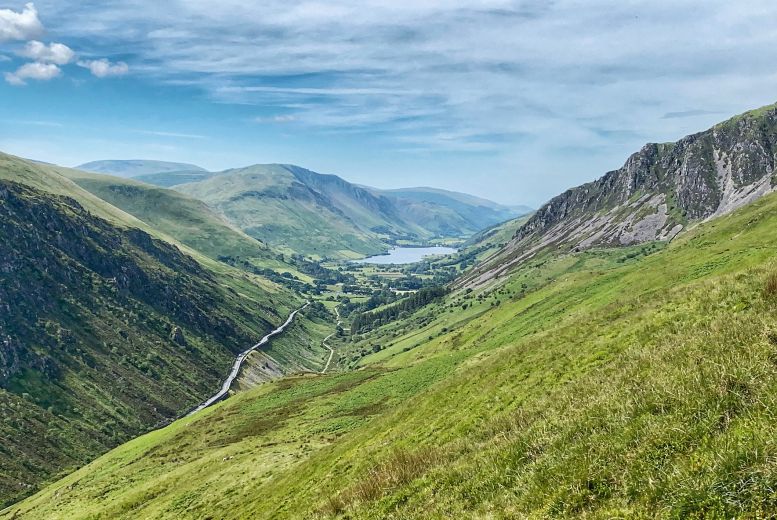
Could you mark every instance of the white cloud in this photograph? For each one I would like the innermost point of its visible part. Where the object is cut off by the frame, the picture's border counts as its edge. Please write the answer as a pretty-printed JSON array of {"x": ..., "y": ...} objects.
[
  {"x": 103, "y": 68},
  {"x": 563, "y": 90},
  {"x": 171, "y": 134},
  {"x": 36, "y": 71},
  {"x": 281, "y": 118},
  {"x": 57, "y": 53},
  {"x": 22, "y": 25}
]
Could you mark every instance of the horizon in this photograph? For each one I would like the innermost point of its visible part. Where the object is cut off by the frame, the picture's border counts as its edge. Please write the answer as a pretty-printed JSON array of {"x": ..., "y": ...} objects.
[{"x": 514, "y": 102}]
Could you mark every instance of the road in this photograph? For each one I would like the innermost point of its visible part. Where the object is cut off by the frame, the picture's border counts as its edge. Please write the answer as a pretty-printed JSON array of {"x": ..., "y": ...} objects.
[
  {"x": 327, "y": 346},
  {"x": 239, "y": 362}
]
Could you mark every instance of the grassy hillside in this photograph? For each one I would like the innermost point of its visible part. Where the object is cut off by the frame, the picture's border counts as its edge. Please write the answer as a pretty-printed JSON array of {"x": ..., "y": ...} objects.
[
  {"x": 634, "y": 382},
  {"x": 269, "y": 203},
  {"x": 190, "y": 221}
]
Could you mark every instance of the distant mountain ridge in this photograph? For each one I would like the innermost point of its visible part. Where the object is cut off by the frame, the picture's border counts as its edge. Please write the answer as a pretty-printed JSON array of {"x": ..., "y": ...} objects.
[
  {"x": 323, "y": 215},
  {"x": 137, "y": 167},
  {"x": 425, "y": 204}
]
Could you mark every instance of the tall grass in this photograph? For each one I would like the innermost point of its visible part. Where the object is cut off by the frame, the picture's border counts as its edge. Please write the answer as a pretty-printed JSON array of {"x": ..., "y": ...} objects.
[{"x": 770, "y": 286}]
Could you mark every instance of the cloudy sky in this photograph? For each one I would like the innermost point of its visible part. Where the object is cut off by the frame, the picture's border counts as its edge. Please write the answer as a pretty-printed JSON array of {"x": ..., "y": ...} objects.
[{"x": 512, "y": 100}]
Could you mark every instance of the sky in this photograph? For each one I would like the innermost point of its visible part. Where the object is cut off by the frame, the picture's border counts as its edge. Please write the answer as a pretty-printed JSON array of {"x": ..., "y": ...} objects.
[{"x": 515, "y": 101}]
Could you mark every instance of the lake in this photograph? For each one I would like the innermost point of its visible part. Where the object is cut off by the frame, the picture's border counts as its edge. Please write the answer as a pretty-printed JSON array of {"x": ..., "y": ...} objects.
[{"x": 406, "y": 255}]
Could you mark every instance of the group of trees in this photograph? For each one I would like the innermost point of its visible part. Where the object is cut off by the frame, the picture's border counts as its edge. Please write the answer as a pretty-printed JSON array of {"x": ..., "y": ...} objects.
[
  {"x": 322, "y": 275},
  {"x": 365, "y": 321}
]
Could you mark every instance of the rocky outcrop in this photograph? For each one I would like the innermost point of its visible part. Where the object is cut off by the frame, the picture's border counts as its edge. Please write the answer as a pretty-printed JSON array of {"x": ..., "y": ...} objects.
[
  {"x": 664, "y": 187},
  {"x": 658, "y": 192}
]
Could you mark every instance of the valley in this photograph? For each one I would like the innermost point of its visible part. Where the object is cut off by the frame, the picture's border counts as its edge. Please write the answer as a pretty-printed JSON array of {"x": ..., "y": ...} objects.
[
  {"x": 298, "y": 211},
  {"x": 108, "y": 279},
  {"x": 610, "y": 332},
  {"x": 610, "y": 355}
]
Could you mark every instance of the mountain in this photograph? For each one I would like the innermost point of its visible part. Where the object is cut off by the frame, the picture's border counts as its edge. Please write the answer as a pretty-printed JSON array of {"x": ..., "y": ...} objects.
[
  {"x": 107, "y": 329},
  {"x": 319, "y": 215},
  {"x": 137, "y": 167},
  {"x": 629, "y": 381},
  {"x": 299, "y": 211},
  {"x": 660, "y": 190},
  {"x": 174, "y": 178},
  {"x": 450, "y": 213}
]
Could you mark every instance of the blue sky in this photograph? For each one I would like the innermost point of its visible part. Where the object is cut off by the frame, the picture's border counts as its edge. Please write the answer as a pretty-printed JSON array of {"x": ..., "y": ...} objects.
[{"x": 511, "y": 100}]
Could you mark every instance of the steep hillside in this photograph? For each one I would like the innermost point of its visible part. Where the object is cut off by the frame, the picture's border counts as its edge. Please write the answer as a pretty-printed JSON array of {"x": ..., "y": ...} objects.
[
  {"x": 661, "y": 190},
  {"x": 189, "y": 220},
  {"x": 633, "y": 382},
  {"x": 136, "y": 167},
  {"x": 106, "y": 330}
]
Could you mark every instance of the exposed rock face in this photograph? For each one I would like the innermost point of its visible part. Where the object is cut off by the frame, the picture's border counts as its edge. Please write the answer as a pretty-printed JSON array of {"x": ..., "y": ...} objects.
[
  {"x": 664, "y": 186},
  {"x": 659, "y": 191}
]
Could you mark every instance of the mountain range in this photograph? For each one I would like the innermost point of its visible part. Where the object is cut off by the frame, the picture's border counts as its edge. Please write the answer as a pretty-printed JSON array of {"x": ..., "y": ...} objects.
[{"x": 300, "y": 211}]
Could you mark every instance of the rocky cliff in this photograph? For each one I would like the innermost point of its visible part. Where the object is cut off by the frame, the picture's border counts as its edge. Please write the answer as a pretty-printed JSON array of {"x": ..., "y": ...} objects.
[
  {"x": 664, "y": 187},
  {"x": 661, "y": 190}
]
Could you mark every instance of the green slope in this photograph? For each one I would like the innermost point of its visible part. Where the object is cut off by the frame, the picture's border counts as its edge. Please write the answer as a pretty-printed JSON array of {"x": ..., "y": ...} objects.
[
  {"x": 189, "y": 220},
  {"x": 271, "y": 204},
  {"x": 90, "y": 298},
  {"x": 626, "y": 383}
]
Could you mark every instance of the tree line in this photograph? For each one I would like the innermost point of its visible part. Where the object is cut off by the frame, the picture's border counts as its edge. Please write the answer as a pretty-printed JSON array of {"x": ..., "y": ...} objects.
[{"x": 365, "y": 321}]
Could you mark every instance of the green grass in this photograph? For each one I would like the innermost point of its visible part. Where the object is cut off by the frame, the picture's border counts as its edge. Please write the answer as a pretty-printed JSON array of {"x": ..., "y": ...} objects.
[
  {"x": 632, "y": 383},
  {"x": 175, "y": 214}
]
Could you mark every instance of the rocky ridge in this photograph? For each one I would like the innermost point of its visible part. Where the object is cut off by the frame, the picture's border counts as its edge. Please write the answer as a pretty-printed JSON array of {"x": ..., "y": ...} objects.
[{"x": 659, "y": 191}]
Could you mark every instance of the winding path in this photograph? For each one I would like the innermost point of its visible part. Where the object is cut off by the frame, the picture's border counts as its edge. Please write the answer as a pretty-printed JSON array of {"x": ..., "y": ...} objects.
[
  {"x": 327, "y": 346},
  {"x": 242, "y": 357}
]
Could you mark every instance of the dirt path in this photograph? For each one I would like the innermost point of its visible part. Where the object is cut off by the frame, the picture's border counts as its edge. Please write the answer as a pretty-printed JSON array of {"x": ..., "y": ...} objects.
[{"x": 329, "y": 347}]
